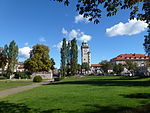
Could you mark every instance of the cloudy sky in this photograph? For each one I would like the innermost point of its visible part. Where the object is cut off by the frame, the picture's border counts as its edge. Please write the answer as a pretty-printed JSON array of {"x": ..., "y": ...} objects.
[{"x": 31, "y": 22}]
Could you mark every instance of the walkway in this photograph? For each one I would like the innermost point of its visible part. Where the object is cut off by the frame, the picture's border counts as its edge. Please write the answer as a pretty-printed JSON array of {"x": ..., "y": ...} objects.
[{"x": 7, "y": 92}]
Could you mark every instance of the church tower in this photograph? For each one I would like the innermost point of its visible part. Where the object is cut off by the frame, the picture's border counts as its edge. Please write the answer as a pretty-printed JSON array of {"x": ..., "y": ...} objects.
[{"x": 85, "y": 53}]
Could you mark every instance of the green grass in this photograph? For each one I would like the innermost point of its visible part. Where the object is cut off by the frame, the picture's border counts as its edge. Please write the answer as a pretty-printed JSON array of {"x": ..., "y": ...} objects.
[
  {"x": 7, "y": 84},
  {"x": 92, "y": 94}
]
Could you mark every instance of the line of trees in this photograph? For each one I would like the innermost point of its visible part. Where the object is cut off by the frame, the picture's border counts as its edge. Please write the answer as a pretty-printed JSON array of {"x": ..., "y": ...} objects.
[
  {"x": 69, "y": 58},
  {"x": 9, "y": 58},
  {"x": 118, "y": 68}
]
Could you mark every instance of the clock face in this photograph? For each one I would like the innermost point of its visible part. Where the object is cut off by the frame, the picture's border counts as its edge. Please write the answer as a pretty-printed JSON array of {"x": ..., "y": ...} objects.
[{"x": 85, "y": 50}]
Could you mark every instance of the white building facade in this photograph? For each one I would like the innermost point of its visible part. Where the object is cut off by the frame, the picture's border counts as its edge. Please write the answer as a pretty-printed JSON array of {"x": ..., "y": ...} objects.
[{"x": 85, "y": 53}]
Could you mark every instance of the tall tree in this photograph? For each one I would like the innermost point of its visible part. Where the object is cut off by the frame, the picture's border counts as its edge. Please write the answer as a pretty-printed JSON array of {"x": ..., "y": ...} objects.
[
  {"x": 68, "y": 67},
  {"x": 39, "y": 59},
  {"x": 12, "y": 57},
  {"x": 63, "y": 53},
  {"x": 4, "y": 58},
  {"x": 53, "y": 63},
  {"x": 147, "y": 42},
  {"x": 74, "y": 56}
]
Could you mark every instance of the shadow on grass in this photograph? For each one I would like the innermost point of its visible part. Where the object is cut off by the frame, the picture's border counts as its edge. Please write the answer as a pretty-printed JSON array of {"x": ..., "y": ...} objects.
[
  {"x": 6, "y": 107},
  {"x": 105, "y": 82},
  {"x": 138, "y": 95}
]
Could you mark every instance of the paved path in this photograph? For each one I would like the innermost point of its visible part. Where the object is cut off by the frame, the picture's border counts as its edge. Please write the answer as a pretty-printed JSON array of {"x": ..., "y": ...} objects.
[{"x": 7, "y": 92}]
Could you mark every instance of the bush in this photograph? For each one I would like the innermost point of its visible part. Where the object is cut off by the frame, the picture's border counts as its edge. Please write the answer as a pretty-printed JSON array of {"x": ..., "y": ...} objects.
[
  {"x": 37, "y": 79},
  {"x": 2, "y": 77},
  {"x": 22, "y": 75}
]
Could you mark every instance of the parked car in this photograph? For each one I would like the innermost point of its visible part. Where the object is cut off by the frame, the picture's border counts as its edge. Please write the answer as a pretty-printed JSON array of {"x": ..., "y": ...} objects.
[{"x": 128, "y": 74}]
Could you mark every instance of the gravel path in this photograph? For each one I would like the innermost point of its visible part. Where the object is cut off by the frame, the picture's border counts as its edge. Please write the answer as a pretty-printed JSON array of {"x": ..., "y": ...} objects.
[{"x": 7, "y": 92}]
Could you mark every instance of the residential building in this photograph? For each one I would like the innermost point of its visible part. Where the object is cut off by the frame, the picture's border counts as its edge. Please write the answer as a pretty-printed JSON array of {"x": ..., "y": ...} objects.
[
  {"x": 95, "y": 69},
  {"x": 140, "y": 59}
]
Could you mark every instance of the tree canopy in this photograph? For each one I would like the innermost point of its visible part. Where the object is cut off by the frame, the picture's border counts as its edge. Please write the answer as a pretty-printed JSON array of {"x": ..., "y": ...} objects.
[
  {"x": 39, "y": 59},
  {"x": 93, "y": 8}
]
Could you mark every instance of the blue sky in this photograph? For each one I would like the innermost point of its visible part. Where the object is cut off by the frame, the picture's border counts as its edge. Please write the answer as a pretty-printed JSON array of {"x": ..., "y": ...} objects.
[{"x": 31, "y": 22}]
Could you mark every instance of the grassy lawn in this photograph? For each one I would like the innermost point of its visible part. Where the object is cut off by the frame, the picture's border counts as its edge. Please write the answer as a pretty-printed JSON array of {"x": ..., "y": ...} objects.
[
  {"x": 92, "y": 94},
  {"x": 6, "y": 84}
]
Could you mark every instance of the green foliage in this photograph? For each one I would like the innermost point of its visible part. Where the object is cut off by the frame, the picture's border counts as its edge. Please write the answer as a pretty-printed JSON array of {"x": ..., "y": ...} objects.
[
  {"x": 63, "y": 53},
  {"x": 74, "y": 56},
  {"x": 37, "y": 79},
  {"x": 85, "y": 66},
  {"x": 39, "y": 59},
  {"x": 147, "y": 42},
  {"x": 69, "y": 58},
  {"x": 22, "y": 75},
  {"x": 12, "y": 57},
  {"x": 3, "y": 58},
  {"x": 2, "y": 77},
  {"x": 105, "y": 66},
  {"x": 94, "y": 8},
  {"x": 130, "y": 65},
  {"x": 53, "y": 63},
  {"x": 118, "y": 68}
]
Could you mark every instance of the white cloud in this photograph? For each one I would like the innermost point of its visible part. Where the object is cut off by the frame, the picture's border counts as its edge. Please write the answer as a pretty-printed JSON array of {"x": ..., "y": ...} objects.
[
  {"x": 59, "y": 45},
  {"x": 64, "y": 31},
  {"x": 24, "y": 52},
  {"x": 85, "y": 38},
  {"x": 73, "y": 34},
  {"x": 132, "y": 27},
  {"x": 42, "y": 39},
  {"x": 81, "y": 36},
  {"x": 80, "y": 18}
]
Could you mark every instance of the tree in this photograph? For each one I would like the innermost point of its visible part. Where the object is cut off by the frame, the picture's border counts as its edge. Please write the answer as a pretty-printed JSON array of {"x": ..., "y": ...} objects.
[
  {"x": 63, "y": 53},
  {"x": 93, "y": 9},
  {"x": 147, "y": 42},
  {"x": 148, "y": 63},
  {"x": 131, "y": 66},
  {"x": 39, "y": 59},
  {"x": 68, "y": 66},
  {"x": 118, "y": 68},
  {"x": 79, "y": 68},
  {"x": 105, "y": 66},
  {"x": 12, "y": 57},
  {"x": 53, "y": 63},
  {"x": 85, "y": 66},
  {"x": 74, "y": 56},
  {"x": 4, "y": 58}
]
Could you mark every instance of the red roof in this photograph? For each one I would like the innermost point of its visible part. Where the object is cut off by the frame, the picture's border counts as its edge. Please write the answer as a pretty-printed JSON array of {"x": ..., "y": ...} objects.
[
  {"x": 96, "y": 65},
  {"x": 131, "y": 57}
]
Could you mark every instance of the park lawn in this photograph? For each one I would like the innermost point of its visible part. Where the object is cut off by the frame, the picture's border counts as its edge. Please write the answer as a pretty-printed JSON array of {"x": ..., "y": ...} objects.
[
  {"x": 7, "y": 84},
  {"x": 92, "y": 94}
]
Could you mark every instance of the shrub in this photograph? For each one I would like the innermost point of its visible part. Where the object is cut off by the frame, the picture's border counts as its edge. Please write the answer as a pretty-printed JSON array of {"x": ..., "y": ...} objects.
[
  {"x": 2, "y": 77},
  {"x": 37, "y": 79},
  {"x": 22, "y": 75}
]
